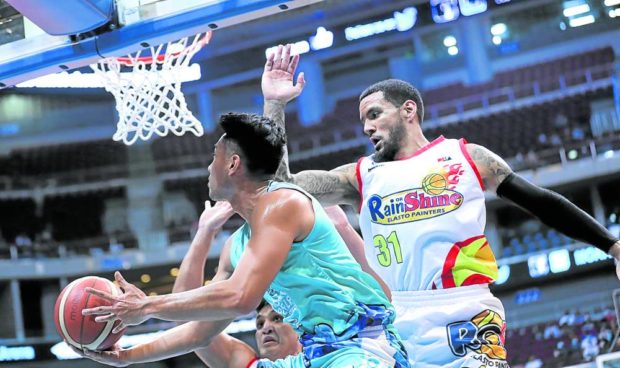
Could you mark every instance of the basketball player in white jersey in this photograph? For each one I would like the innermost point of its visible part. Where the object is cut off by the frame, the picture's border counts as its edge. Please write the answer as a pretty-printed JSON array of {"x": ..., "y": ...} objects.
[{"x": 422, "y": 215}]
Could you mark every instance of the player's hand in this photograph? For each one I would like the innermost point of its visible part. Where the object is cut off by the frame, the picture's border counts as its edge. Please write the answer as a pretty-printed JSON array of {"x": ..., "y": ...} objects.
[
  {"x": 277, "y": 81},
  {"x": 114, "y": 357},
  {"x": 128, "y": 307},
  {"x": 214, "y": 217}
]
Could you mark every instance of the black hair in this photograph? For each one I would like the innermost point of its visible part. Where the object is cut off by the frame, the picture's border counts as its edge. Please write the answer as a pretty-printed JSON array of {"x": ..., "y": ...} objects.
[
  {"x": 263, "y": 304},
  {"x": 397, "y": 92},
  {"x": 259, "y": 139}
]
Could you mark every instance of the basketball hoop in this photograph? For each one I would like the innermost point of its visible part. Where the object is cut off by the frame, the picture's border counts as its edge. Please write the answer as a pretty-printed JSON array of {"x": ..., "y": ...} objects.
[{"x": 149, "y": 99}]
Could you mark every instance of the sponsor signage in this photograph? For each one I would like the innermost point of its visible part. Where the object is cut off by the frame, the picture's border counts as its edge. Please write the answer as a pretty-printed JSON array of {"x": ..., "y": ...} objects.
[{"x": 556, "y": 264}]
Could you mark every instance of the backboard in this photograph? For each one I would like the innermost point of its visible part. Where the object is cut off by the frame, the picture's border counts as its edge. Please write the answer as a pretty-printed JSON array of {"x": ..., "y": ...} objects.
[{"x": 27, "y": 52}]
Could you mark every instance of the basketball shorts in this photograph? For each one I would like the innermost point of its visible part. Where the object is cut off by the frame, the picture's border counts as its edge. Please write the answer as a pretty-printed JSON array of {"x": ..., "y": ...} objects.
[
  {"x": 371, "y": 343},
  {"x": 456, "y": 327}
]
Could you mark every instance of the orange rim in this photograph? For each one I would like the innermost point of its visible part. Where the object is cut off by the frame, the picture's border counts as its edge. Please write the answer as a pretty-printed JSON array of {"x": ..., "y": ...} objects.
[{"x": 195, "y": 46}]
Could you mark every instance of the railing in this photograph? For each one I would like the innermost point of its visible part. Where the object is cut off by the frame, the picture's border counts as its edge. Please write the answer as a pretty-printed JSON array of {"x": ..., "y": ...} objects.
[{"x": 593, "y": 78}]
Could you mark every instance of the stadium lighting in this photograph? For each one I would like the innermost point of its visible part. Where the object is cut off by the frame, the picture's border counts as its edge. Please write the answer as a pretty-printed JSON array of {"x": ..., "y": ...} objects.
[
  {"x": 503, "y": 274},
  {"x": 449, "y": 41},
  {"x": 581, "y": 21},
  {"x": 572, "y": 154},
  {"x": 612, "y": 2},
  {"x": 497, "y": 40},
  {"x": 78, "y": 79},
  {"x": 498, "y": 29},
  {"x": 298, "y": 48},
  {"x": 453, "y": 50},
  {"x": 614, "y": 13},
  {"x": 576, "y": 10}
]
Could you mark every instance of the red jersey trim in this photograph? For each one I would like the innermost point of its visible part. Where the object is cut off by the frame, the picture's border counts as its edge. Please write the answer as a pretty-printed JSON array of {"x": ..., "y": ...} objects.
[
  {"x": 462, "y": 143},
  {"x": 359, "y": 182},
  {"x": 425, "y": 148},
  {"x": 252, "y": 362}
]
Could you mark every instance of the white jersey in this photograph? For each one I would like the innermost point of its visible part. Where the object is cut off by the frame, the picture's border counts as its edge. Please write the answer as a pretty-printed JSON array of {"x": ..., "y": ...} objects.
[{"x": 423, "y": 218}]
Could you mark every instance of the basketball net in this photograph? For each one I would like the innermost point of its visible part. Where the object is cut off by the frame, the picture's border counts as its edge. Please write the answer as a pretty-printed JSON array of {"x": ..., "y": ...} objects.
[{"x": 149, "y": 99}]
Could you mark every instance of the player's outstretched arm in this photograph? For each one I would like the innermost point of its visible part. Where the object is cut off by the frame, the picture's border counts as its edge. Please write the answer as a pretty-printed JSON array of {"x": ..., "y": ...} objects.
[
  {"x": 219, "y": 300},
  {"x": 278, "y": 88},
  {"x": 550, "y": 207},
  {"x": 213, "y": 347},
  {"x": 191, "y": 271},
  {"x": 355, "y": 243},
  {"x": 338, "y": 186},
  {"x": 174, "y": 342},
  {"x": 224, "y": 351}
]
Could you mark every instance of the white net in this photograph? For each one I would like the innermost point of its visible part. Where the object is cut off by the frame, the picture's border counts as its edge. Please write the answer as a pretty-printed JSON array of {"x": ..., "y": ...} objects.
[{"x": 149, "y": 99}]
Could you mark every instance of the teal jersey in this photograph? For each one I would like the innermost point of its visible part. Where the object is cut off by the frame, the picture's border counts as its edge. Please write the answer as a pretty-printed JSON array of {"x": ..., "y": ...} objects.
[{"x": 320, "y": 281}]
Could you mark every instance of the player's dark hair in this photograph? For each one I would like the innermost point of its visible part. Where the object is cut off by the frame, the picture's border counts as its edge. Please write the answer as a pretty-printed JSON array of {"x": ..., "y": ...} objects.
[
  {"x": 397, "y": 92},
  {"x": 262, "y": 305},
  {"x": 260, "y": 141}
]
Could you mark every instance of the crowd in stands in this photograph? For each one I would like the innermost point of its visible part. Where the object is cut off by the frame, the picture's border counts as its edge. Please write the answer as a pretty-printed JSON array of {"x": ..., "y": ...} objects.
[{"x": 576, "y": 337}]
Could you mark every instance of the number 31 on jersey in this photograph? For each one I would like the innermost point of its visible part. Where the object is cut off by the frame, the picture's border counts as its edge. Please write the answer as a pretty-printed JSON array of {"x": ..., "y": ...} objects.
[{"x": 388, "y": 249}]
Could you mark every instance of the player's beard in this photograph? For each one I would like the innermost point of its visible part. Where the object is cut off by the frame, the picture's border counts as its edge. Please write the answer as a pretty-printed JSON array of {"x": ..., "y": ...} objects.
[{"x": 392, "y": 143}]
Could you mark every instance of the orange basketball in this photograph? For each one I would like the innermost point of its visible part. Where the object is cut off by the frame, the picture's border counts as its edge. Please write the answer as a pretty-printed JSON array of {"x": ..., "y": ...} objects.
[
  {"x": 434, "y": 184},
  {"x": 82, "y": 331}
]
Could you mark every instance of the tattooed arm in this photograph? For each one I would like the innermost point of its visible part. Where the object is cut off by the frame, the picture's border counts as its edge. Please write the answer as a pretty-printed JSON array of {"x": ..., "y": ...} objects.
[
  {"x": 493, "y": 169},
  {"x": 274, "y": 110},
  {"x": 550, "y": 207},
  {"x": 278, "y": 89},
  {"x": 338, "y": 186}
]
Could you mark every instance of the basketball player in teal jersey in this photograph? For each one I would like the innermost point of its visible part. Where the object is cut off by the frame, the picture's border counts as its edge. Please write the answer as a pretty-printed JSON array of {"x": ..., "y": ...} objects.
[
  {"x": 422, "y": 216},
  {"x": 287, "y": 251},
  {"x": 275, "y": 339}
]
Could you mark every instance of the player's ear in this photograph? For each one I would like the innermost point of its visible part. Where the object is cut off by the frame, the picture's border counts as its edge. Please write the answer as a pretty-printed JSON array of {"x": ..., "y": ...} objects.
[
  {"x": 409, "y": 109},
  {"x": 234, "y": 164}
]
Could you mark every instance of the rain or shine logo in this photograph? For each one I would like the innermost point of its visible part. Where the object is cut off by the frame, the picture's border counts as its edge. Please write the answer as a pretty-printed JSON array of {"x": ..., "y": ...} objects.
[{"x": 433, "y": 199}]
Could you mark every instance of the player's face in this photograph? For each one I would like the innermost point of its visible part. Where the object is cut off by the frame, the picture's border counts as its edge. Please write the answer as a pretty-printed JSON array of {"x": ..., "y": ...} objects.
[
  {"x": 383, "y": 124},
  {"x": 275, "y": 338},
  {"x": 217, "y": 171}
]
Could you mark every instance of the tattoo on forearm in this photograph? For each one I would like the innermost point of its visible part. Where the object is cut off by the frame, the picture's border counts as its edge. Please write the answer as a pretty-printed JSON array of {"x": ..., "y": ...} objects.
[
  {"x": 284, "y": 172},
  {"x": 275, "y": 111}
]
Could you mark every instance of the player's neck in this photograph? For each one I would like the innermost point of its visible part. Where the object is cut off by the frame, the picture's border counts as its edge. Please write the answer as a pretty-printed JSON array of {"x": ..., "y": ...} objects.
[
  {"x": 246, "y": 196},
  {"x": 412, "y": 144}
]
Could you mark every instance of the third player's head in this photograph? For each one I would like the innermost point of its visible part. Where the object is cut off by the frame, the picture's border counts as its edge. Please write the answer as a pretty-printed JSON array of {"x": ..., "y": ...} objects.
[
  {"x": 390, "y": 111},
  {"x": 249, "y": 150},
  {"x": 275, "y": 338}
]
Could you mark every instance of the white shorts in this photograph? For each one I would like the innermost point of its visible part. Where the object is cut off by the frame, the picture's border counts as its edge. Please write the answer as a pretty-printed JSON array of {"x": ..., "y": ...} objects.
[{"x": 457, "y": 327}]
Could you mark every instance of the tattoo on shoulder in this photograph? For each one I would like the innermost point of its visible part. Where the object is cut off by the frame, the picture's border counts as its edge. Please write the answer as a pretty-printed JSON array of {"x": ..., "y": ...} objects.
[{"x": 496, "y": 169}]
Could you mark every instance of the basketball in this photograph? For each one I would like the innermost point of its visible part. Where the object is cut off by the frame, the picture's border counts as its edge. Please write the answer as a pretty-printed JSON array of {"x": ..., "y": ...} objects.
[
  {"x": 82, "y": 331},
  {"x": 434, "y": 184}
]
